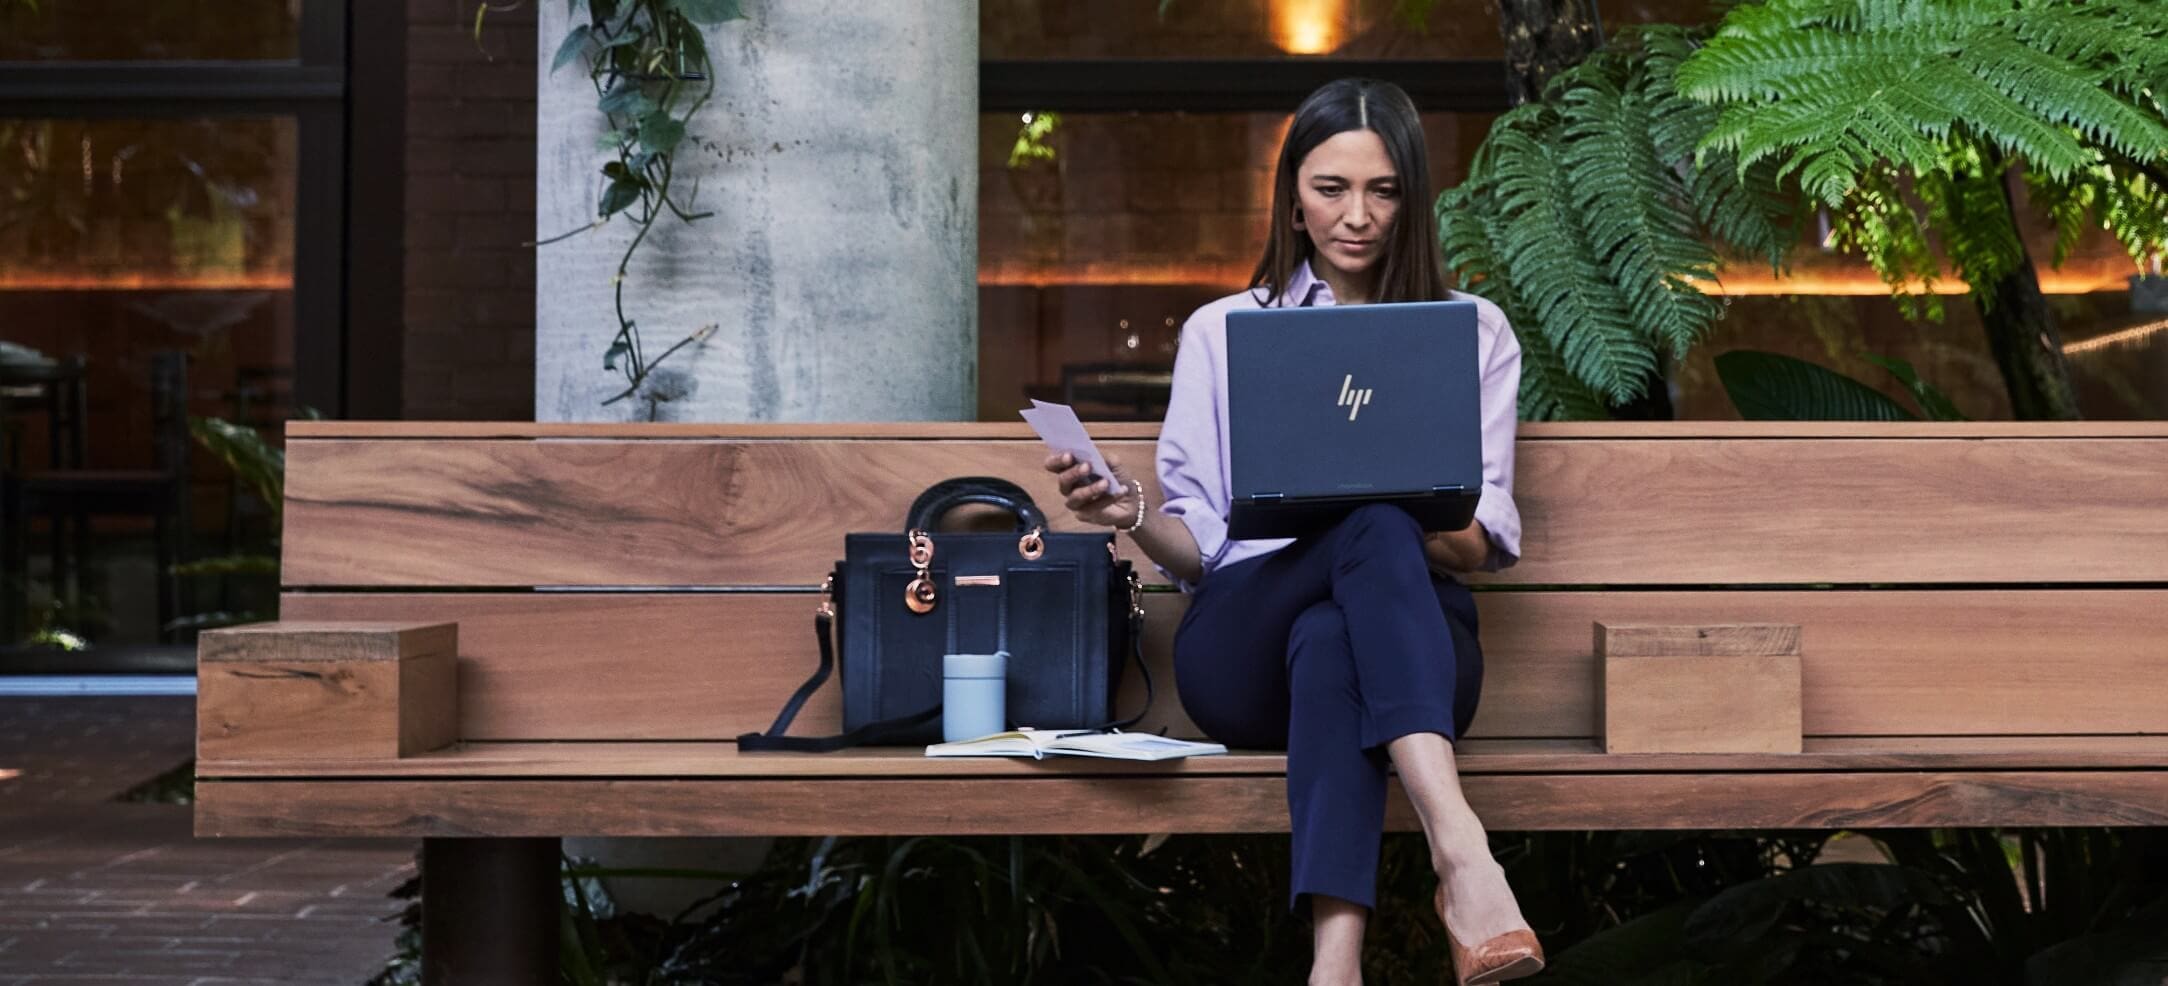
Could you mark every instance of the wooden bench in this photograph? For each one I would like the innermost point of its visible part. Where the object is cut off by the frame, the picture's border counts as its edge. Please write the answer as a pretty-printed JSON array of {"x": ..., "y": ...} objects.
[{"x": 1984, "y": 610}]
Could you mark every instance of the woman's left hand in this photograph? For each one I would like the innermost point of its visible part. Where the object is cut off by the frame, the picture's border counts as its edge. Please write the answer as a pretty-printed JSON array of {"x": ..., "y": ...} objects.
[{"x": 1464, "y": 550}]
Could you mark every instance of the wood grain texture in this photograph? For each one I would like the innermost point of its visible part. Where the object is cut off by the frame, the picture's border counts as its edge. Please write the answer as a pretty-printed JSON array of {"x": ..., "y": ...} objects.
[
  {"x": 540, "y": 666},
  {"x": 1909, "y": 511},
  {"x": 312, "y": 710},
  {"x": 325, "y": 640},
  {"x": 1126, "y": 805},
  {"x": 1100, "y": 430},
  {"x": 1701, "y": 704},
  {"x": 428, "y": 703},
  {"x": 715, "y": 512},
  {"x": 1730, "y": 639},
  {"x": 478, "y": 761},
  {"x": 645, "y": 513}
]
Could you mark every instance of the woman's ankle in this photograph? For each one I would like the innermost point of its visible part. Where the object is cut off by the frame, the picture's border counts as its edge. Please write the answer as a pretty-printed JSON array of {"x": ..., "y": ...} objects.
[
  {"x": 1461, "y": 854},
  {"x": 1326, "y": 972}
]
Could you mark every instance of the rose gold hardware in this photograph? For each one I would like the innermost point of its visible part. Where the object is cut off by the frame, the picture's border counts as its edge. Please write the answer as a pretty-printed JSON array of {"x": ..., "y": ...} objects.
[
  {"x": 963, "y": 580},
  {"x": 919, "y": 595},
  {"x": 828, "y": 597},
  {"x": 1032, "y": 546}
]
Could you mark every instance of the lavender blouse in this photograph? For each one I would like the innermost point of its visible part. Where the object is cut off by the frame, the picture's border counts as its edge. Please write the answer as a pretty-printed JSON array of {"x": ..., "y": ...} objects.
[{"x": 1193, "y": 469}]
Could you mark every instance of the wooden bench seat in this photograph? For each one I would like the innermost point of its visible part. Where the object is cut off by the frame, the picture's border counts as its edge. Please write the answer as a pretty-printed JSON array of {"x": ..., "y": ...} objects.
[
  {"x": 1984, "y": 609},
  {"x": 659, "y": 789}
]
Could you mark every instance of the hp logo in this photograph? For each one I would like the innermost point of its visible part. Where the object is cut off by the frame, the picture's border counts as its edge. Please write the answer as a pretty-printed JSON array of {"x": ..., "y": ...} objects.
[{"x": 1352, "y": 398}]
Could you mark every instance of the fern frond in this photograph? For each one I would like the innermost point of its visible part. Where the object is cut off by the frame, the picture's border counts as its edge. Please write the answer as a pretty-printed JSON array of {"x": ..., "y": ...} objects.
[
  {"x": 1550, "y": 392},
  {"x": 1833, "y": 92},
  {"x": 2128, "y": 39},
  {"x": 1788, "y": 66},
  {"x": 1877, "y": 223},
  {"x": 1633, "y": 222},
  {"x": 2069, "y": 205},
  {"x": 1966, "y": 205},
  {"x": 1740, "y": 208},
  {"x": 2059, "y": 91},
  {"x": 2137, "y": 213},
  {"x": 1554, "y": 273}
]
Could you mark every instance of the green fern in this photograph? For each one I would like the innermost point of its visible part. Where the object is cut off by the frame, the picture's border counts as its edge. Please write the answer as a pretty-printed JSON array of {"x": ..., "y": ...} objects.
[
  {"x": 1586, "y": 220},
  {"x": 1868, "y": 102}
]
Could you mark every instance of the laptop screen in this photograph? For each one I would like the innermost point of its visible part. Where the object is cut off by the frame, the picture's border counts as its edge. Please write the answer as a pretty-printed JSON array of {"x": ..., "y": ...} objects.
[{"x": 1354, "y": 400}]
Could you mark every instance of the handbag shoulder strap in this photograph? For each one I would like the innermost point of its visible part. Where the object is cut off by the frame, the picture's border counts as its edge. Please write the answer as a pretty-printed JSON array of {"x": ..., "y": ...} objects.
[{"x": 773, "y": 738}]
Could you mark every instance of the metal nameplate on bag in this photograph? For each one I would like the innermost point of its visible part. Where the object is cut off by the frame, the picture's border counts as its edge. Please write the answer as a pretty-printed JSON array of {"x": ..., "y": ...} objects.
[{"x": 990, "y": 580}]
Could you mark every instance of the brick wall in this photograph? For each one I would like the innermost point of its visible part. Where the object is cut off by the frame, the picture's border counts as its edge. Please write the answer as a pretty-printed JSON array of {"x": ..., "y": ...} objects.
[{"x": 470, "y": 163}]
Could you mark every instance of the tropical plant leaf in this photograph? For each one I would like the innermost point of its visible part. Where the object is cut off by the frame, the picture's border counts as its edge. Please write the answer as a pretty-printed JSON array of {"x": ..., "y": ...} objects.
[
  {"x": 1775, "y": 387},
  {"x": 1746, "y": 913},
  {"x": 575, "y": 42},
  {"x": 626, "y": 99},
  {"x": 660, "y": 134},
  {"x": 1855, "y": 97},
  {"x": 620, "y": 193},
  {"x": 1933, "y": 401},
  {"x": 2132, "y": 953},
  {"x": 259, "y": 466},
  {"x": 1645, "y": 947},
  {"x": 229, "y": 565},
  {"x": 1586, "y": 218}
]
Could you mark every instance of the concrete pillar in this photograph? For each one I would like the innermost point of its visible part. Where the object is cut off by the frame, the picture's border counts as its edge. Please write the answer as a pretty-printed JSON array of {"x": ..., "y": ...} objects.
[{"x": 839, "y": 155}]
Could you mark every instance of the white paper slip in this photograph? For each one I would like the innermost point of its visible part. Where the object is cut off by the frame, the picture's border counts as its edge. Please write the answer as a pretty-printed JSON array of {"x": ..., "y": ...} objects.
[{"x": 1059, "y": 428}]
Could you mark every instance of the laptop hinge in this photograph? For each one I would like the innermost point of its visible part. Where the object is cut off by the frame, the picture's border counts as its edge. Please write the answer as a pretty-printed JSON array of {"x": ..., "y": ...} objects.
[
  {"x": 1455, "y": 489},
  {"x": 1267, "y": 497}
]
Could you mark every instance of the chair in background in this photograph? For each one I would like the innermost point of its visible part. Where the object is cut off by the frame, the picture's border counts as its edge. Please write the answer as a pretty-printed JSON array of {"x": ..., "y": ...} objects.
[{"x": 68, "y": 497}]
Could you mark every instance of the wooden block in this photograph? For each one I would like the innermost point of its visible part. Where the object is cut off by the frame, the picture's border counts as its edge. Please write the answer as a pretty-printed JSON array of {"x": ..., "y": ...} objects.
[
  {"x": 1725, "y": 639},
  {"x": 326, "y": 691},
  {"x": 1717, "y": 688}
]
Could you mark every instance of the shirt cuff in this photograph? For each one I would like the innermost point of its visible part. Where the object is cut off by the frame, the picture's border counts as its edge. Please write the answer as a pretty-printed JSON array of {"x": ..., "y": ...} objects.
[
  {"x": 1206, "y": 527},
  {"x": 1501, "y": 520}
]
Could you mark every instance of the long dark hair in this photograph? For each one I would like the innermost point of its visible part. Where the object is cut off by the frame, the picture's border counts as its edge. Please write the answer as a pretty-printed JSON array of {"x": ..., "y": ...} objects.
[{"x": 1410, "y": 269}]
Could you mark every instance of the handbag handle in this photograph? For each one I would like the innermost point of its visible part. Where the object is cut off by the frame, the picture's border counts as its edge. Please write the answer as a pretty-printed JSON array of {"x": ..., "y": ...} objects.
[{"x": 948, "y": 494}]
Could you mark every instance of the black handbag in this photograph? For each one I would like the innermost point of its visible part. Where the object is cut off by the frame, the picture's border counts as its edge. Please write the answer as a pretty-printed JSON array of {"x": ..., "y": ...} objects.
[{"x": 1064, "y": 606}]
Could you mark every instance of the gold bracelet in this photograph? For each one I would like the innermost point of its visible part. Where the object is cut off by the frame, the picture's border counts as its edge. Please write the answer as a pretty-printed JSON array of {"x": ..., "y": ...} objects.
[{"x": 1139, "y": 522}]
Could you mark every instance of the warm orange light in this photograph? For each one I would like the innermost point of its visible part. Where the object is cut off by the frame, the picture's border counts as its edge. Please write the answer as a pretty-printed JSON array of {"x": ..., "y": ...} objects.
[
  {"x": 1757, "y": 280},
  {"x": 1234, "y": 274},
  {"x": 1308, "y": 27},
  {"x": 127, "y": 281},
  {"x": 9, "y": 775},
  {"x": 1024, "y": 273},
  {"x": 2127, "y": 336}
]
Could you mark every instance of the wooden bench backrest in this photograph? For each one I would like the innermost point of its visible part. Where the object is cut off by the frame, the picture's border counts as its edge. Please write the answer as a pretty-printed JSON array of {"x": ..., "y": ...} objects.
[{"x": 658, "y": 581}]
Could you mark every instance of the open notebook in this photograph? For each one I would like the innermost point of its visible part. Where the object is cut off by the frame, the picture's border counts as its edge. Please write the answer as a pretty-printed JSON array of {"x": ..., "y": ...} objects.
[{"x": 1038, "y": 744}]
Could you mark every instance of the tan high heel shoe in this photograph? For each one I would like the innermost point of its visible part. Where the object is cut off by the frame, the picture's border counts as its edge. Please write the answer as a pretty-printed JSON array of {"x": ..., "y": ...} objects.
[{"x": 1513, "y": 955}]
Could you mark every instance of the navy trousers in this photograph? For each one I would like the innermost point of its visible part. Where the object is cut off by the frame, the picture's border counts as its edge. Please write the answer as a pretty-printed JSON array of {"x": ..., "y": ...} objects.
[{"x": 1331, "y": 648}]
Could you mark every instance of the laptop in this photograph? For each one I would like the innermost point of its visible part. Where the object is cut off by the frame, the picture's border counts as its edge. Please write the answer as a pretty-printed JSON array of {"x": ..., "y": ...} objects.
[{"x": 1337, "y": 407}]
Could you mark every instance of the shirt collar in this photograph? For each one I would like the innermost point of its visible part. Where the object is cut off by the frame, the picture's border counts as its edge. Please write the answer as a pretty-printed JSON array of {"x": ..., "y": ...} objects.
[{"x": 1306, "y": 289}]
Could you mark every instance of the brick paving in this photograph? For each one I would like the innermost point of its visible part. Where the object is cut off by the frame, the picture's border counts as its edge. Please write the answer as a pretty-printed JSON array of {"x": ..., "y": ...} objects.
[{"x": 94, "y": 891}]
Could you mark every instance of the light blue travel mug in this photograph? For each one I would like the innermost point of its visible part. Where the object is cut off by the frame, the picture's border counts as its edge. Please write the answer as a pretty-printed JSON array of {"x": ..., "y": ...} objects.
[{"x": 973, "y": 695}]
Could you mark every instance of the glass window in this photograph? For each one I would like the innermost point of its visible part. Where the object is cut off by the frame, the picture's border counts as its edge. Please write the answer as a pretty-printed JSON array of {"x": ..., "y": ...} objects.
[
  {"x": 1231, "y": 29},
  {"x": 131, "y": 30},
  {"x": 120, "y": 239},
  {"x": 1089, "y": 263}
]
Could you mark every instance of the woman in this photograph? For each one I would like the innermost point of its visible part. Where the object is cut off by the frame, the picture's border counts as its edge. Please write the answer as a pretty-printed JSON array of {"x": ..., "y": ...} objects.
[{"x": 1354, "y": 647}]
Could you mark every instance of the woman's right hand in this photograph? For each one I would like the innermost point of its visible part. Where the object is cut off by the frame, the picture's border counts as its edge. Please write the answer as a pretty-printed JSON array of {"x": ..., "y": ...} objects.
[{"x": 1102, "y": 501}]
